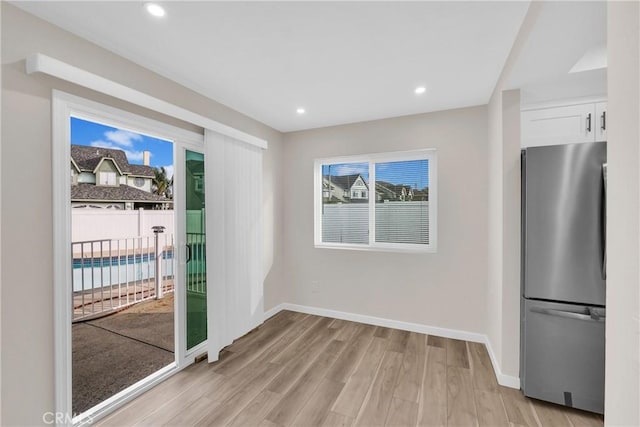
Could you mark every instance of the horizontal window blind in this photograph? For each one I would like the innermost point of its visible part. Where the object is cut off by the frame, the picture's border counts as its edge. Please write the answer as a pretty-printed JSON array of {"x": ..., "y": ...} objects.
[
  {"x": 402, "y": 202},
  {"x": 345, "y": 218}
]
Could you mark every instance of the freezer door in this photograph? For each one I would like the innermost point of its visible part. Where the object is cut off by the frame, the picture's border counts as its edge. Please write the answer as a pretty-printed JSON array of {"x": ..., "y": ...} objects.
[
  {"x": 563, "y": 348},
  {"x": 563, "y": 223}
]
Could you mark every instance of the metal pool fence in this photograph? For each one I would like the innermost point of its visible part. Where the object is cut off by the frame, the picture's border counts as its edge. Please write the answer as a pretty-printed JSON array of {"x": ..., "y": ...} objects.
[{"x": 110, "y": 274}]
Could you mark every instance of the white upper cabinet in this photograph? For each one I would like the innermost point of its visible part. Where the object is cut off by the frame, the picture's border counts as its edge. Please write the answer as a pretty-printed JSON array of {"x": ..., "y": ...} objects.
[{"x": 566, "y": 124}]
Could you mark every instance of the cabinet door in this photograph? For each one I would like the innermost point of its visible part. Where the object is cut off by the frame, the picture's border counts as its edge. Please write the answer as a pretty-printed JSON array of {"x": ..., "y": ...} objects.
[
  {"x": 601, "y": 121},
  {"x": 559, "y": 125}
]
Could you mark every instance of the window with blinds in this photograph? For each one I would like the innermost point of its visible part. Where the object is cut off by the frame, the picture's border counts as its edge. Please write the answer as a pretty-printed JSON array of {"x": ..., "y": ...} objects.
[
  {"x": 345, "y": 212},
  {"x": 377, "y": 202}
]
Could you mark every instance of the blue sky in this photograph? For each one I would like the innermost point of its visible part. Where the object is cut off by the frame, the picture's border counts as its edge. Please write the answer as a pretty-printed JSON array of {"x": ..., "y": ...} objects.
[
  {"x": 133, "y": 144},
  {"x": 414, "y": 173}
]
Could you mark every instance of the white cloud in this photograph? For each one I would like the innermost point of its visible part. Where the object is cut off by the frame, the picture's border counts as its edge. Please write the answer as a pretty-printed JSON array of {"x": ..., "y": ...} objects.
[
  {"x": 350, "y": 169},
  {"x": 102, "y": 144},
  {"x": 169, "y": 170},
  {"x": 122, "y": 138},
  {"x": 132, "y": 155}
]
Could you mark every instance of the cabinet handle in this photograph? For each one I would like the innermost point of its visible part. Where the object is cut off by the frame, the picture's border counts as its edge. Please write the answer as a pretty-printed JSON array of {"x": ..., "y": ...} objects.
[
  {"x": 589, "y": 122},
  {"x": 603, "y": 121}
]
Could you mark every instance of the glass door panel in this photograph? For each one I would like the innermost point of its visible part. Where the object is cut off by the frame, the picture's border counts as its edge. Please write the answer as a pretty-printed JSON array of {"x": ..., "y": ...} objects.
[{"x": 196, "y": 272}]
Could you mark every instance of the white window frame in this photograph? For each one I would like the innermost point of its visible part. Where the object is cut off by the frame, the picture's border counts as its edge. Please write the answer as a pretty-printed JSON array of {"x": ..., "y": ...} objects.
[{"x": 399, "y": 156}]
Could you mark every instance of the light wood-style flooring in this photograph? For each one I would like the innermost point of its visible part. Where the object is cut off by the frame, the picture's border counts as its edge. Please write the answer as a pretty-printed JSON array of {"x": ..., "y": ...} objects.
[{"x": 304, "y": 370}]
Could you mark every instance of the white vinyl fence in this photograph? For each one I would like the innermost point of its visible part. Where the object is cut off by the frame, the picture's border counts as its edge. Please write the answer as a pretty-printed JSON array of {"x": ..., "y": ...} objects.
[
  {"x": 396, "y": 222},
  {"x": 98, "y": 224}
]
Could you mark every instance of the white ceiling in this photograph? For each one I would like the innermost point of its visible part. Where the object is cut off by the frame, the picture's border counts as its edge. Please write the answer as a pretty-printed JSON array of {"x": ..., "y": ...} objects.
[
  {"x": 342, "y": 61},
  {"x": 563, "y": 34},
  {"x": 347, "y": 61}
]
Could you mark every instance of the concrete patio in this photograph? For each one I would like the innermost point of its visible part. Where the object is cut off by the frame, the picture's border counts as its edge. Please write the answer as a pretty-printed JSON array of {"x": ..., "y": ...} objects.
[{"x": 116, "y": 351}]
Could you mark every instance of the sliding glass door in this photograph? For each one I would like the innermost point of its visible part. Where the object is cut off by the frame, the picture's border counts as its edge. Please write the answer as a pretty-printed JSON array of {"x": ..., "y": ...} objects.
[{"x": 195, "y": 249}]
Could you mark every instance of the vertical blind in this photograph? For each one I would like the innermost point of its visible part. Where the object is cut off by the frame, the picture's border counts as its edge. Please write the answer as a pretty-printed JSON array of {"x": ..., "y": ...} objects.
[{"x": 234, "y": 200}]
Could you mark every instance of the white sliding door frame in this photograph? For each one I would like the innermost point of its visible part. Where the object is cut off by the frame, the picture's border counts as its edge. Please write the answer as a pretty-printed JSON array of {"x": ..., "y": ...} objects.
[
  {"x": 65, "y": 106},
  {"x": 180, "y": 200}
]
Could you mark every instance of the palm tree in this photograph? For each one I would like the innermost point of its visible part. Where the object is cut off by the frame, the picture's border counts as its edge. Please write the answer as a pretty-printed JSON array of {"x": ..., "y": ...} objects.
[{"x": 162, "y": 185}]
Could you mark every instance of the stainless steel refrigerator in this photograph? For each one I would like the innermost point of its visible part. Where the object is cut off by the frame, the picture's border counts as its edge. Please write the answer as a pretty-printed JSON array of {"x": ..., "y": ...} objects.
[{"x": 564, "y": 274}]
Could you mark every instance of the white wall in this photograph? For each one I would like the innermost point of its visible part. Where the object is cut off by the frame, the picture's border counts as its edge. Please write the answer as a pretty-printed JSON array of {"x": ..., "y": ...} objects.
[
  {"x": 444, "y": 289},
  {"x": 0, "y": 241},
  {"x": 494, "y": 227},
  {"x": 503, "y": 283},
  {"x": 27, "y": 335},
  {"x": 622, "y": 390},
  {"x": 510, "y": 364}
]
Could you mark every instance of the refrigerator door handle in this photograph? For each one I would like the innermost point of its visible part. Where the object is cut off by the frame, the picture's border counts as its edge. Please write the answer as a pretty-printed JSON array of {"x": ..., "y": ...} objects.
[
  {"x": 593, "y": 317},
  {"x": 603, "y": 231}
]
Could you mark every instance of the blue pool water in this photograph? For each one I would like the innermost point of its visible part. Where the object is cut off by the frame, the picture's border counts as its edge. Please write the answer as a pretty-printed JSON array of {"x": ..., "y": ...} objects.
[
  {"x": 107, "y": 271},
  {"x": 118, "y": 260}
]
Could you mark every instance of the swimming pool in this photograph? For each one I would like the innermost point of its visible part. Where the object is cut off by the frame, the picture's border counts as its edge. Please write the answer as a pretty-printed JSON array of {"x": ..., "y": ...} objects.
[{"x": 99, "y": 272}]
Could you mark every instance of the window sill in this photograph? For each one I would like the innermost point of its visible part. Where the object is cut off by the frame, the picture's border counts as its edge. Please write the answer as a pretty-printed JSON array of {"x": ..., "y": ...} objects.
[{"x": 410, "y": 249}]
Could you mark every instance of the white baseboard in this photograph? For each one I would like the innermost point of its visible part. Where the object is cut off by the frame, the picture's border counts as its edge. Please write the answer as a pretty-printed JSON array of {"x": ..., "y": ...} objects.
[
  {"x": 273, "y": 311},
  {"x": 395, "y": 324},
  {"x": 504, "y": 380}
]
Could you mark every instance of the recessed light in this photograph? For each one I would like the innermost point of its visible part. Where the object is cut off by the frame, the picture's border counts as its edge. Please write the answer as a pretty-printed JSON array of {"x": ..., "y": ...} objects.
[
  {"x": 301, "y": 111},
  {"x": 155, "y": 9},
  {"x": 420, "y": 90}
]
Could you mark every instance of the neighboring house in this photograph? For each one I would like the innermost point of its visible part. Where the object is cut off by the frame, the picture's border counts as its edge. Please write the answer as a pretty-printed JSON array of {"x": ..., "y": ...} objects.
[
  {"x": 386, "y": 191},
  {"x": 344, "y": 188},
  {"x": 354, "y": 188},
  {"x": 421, "y": 195},
  {"x": 102, "y": 178}
]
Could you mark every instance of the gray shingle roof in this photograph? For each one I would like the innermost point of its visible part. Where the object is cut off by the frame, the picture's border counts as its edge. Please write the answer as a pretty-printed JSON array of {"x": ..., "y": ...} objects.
[
  {"x": 395, "y": 188},
  {"x": 142, "y": 170},
  {"x": 87, "y": 158},
  {"x": 122, "y": 193},
  {"x": 344, "y": 181}
]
